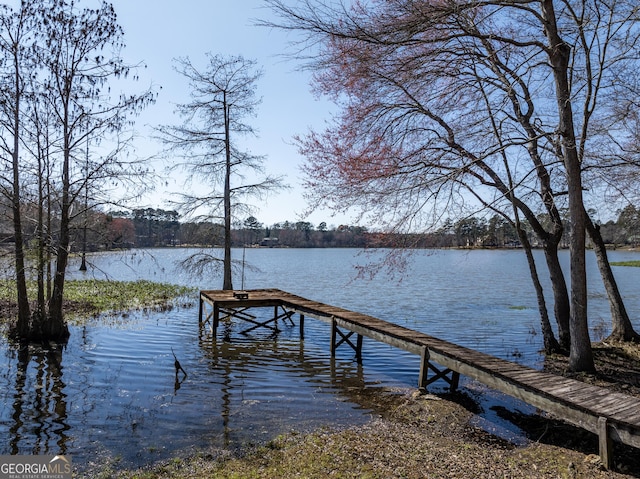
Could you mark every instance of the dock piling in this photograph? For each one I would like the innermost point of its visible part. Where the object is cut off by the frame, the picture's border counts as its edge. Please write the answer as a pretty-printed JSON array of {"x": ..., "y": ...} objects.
[
  {"x": 345, "y": 338},
  {"x": 605, "y": 443},
  {"x": 424, "y": 369}
]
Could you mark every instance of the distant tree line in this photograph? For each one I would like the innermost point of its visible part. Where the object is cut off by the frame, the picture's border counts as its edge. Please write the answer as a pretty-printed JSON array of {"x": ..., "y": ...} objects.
[
  {"x": 151, "y": 227},
  {"x": 157, "y": 228}
]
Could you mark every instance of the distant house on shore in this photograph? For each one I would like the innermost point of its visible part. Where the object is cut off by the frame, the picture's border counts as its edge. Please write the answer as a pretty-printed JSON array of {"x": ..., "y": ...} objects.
[{"x": 270, "y": 242}]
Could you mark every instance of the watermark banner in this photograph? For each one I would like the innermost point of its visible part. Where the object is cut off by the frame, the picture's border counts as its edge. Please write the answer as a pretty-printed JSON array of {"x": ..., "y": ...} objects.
[{"x": 35, "y": 467}]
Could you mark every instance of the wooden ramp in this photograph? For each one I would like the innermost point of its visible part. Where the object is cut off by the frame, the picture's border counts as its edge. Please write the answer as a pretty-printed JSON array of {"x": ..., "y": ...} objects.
[{"x": 610, "y": 415}]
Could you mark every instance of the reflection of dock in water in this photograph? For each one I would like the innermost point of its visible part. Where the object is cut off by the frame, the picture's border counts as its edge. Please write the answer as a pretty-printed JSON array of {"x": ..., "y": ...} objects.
[
  {"x": 239, "y": 357},
  {"x": 230, "y": 360},
  {"x": 610, "y": 415}
]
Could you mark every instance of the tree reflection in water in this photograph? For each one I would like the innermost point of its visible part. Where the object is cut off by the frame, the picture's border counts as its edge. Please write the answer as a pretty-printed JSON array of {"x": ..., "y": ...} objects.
[{"x": 39, "y": 401}]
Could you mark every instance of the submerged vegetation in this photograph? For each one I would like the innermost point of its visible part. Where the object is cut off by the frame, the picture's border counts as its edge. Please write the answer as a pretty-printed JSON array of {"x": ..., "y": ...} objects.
[
  {"x": 626, "y": 263},
  {"x": 88, "y": 298}
]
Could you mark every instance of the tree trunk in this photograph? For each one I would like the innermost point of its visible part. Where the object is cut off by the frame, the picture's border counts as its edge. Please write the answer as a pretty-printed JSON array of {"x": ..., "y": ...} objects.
[
  {"x": 561, "y": 303},
  {"x": 39, "y": 315},
  {"x": 551, "y": 345},
  {"x": 55, "y": 326},
  {"x": 227, "y": 280},
  {"x": 550, "y": 242},
  {"x": 22, "y": 327},
  {"x": 48, "y": 258},
  {"x": 621, "y": 328},
  {"x": 581, "y": 355}
]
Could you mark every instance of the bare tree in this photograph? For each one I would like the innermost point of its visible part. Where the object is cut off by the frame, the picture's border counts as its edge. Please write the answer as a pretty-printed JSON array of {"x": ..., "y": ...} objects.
[
  {"x": 16, "y": 42},
  {"x": 223, "y": 96},
  {"x": 77, "y": 77},
  {"x": 440, "y": 154},
  {"x": 59, "y": 99}
]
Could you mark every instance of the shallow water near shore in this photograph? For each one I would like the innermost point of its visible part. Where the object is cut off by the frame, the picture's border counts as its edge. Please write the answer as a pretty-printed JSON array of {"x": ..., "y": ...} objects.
[{"x": 111, "y": 394}]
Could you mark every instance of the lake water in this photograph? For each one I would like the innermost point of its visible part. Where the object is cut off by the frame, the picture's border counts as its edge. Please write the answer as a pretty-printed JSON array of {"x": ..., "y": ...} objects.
[{"x": 111, "y": 395}]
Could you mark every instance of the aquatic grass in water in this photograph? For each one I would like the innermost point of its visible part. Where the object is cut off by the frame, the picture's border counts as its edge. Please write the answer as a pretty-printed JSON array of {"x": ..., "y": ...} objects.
[
  {"x": 93, "y": 296},
  {"x": 123, "y": 295},
  {"x": 626, "y": 263}
]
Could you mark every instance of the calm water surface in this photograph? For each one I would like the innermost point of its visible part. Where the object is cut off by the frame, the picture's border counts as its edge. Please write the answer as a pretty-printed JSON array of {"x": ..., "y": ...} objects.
[{"x": 111, "y": 394}]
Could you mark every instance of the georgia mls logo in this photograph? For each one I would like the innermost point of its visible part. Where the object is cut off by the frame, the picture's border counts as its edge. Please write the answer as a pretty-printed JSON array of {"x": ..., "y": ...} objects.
[
  {"x": 59, "y": 465},
  {"x": 35, "y": 467}
]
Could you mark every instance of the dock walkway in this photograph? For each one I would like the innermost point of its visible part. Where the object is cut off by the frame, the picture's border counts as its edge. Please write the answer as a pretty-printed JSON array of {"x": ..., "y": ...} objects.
[{"x": 612, "y": 416}]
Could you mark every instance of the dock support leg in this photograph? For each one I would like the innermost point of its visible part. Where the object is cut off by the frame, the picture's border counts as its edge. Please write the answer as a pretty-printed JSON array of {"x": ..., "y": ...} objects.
[
  {"x": 605, "y": 443},
  {"x": 301, "y": 326},
  {"x": 200, "y": 311},
  {"x": 216, "y": 318},
  {"x": 334, "y": 329},
  {"x": 455, "y": 380},
  {"x": 344, "y": 338},
  {"x": 426, "y": 365},
  {"x": 424, "y": 369}
]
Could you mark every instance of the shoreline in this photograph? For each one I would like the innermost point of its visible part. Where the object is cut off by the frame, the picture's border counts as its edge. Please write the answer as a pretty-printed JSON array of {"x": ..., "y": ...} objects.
[
  {"x": 413, "y": 435},
  {"x": 410, "y": 435}
]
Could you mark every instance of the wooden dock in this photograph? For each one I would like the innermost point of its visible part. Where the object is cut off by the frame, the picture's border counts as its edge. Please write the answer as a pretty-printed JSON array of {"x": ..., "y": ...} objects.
[{"x": 612, "y": 416}]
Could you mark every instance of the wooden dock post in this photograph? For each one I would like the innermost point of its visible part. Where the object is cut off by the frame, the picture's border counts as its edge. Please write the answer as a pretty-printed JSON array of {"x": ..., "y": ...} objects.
[
  {"x": 605, "y": 443},
  {"x": 359, "y": 348},
  {"x": 334, "y": 329},
  {"x": 345, "y": 338},
  {"x": 424, "y": 369},
  {"x": 455, "y": 381},
  {"x": 216, "y": 318},
  {"x": 301, "y": 326}
]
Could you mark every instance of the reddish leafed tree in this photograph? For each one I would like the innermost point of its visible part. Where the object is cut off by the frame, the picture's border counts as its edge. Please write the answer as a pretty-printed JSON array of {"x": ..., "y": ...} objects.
[
  {"x": 459, "y": 104},
  {"x": 121, "y": 231}
]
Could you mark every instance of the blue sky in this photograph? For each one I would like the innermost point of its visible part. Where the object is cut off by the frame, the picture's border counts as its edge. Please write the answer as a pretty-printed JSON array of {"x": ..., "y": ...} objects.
[{"x": 159, "y": 31}]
